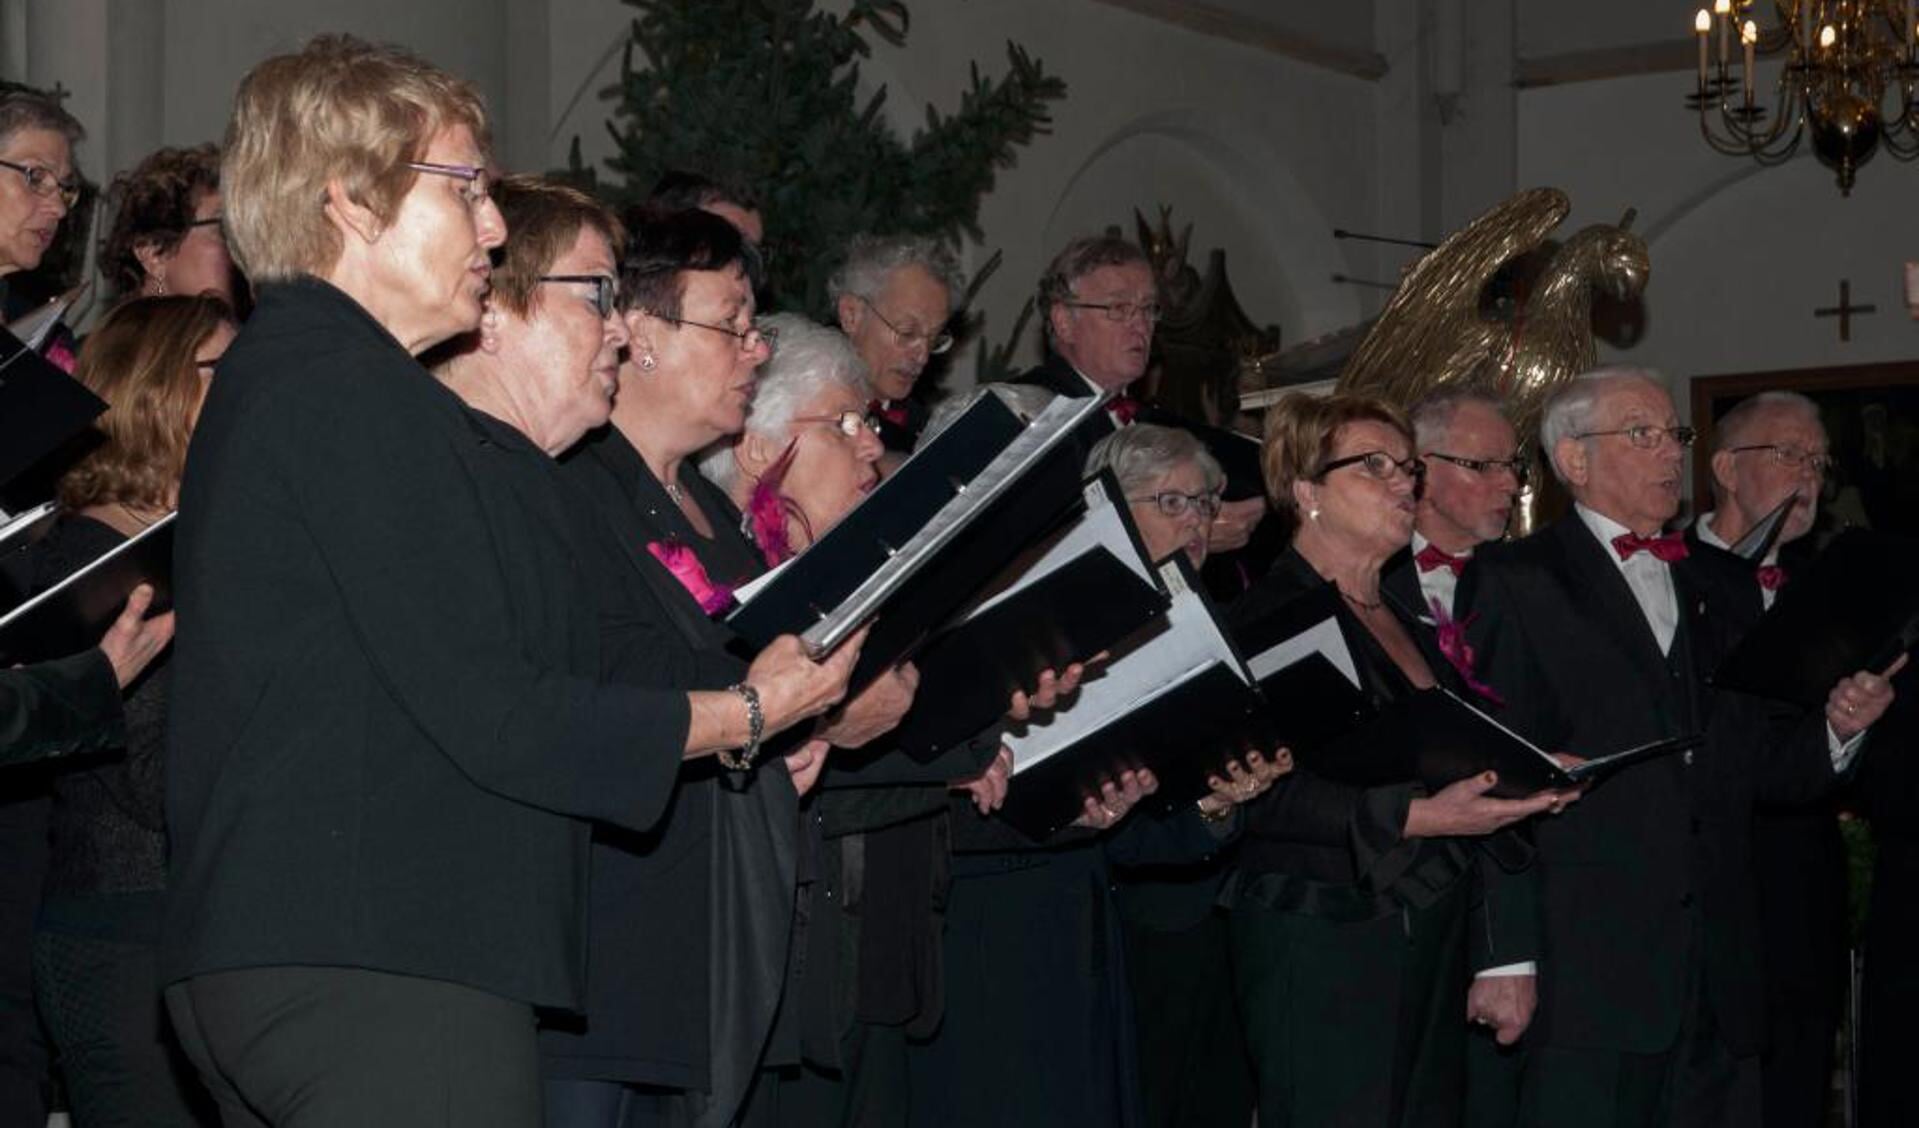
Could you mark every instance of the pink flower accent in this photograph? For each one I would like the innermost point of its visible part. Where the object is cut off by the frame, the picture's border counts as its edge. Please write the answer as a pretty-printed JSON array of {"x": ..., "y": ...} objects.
[
  {"x": 686, "y": 568},
  {"x": 767, "y": 510},
  {"x": 60, "y": 355},
  {"x": 1459, "y": 652}
]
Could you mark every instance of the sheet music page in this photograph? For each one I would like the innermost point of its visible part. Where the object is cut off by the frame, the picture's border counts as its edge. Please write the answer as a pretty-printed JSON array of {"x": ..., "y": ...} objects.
[
  {"x": 746, "y": 591},
  {"x": 1100, "y": 526},
  {"x": 1052, "y": 426},
  {"x": 1323, "y": 637},
  {"x": 1192, "y": 644}
]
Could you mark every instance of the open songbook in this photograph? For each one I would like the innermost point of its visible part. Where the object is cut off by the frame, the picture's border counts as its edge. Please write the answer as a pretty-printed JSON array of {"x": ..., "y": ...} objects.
[
  {"x": 1082, "y": 589},
  {"x": 1856, "y": 608},
  {"x": 929, "y": 537},
  {"x": 72, "y": 615}
]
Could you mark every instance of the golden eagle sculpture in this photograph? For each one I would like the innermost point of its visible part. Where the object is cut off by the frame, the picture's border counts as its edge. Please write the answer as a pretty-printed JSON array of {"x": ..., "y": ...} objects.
[{"x": 1436, "y": 332}]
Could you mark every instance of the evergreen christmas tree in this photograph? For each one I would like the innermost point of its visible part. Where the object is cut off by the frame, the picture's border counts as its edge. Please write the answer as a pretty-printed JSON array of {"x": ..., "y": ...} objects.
[{"x": 764, "y": 93}]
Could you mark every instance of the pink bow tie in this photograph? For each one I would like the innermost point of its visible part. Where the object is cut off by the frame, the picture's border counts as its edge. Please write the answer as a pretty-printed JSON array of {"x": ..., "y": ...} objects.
[{"x": 1670, "y": 547}]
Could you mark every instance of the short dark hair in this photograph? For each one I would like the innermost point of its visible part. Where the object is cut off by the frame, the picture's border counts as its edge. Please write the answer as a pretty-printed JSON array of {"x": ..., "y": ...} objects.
[
  {"x": 543, "y": 218},
  {"x": 681, "y": 189},
  {"x": 152, "y": 206},
  {"x": 662, "y": 245},
  {"x": 1077, "y": 259}
]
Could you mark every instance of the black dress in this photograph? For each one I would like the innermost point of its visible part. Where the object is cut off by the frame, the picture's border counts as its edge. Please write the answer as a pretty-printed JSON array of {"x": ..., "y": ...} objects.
[
  {"x": 390, "y": 734},
  {"x": 1350, "y": 940},
  {"x": 98, "y": 932}
]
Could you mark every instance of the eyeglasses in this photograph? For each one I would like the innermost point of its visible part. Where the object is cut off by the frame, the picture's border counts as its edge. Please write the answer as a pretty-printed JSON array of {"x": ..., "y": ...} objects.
[
  {"x": 477, "y": 182},
  {"x": 1792, "y": 456},
  {"x": 1646, "y": 436},
  {"x": 749, "y": 339},
  {"x": 1121, "y": 311},
  {"x": 42, "y": 182},
  {"x": 209, "y": 221},
  {"x": 849, "y": 422},
  {"x": 936, "y": 343},
  {"x": 1377, "y": 464},
  {"x": 1172, "y": 503},
  {"x": 605, "y": 289},
  {"x": 1518, "y": 467}
]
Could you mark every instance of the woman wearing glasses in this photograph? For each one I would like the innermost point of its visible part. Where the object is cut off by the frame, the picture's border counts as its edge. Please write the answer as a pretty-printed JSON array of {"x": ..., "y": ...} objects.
[
  {"x": 166, "y": 236},
  {"x": 390, "y": 733},
  {"x": 38, "y": 184},
  {"x": 1350, "y": 907}
]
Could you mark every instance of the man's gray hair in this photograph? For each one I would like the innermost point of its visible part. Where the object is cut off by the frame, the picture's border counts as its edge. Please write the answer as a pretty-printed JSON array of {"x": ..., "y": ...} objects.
[
  {"x": 23, "y": 107},
  {"x": 808, "y": 359},
  {"x": 1569, "y": 411},
  {"x": 1026, "y": 401},
  {"x": 1732, "y": 428},
  {"x": 1143, "y": 453},
  {"x": 872, "y": 259},
  {"x": 1076, "y": 260},
  {"x": 1433, "y": 413}
]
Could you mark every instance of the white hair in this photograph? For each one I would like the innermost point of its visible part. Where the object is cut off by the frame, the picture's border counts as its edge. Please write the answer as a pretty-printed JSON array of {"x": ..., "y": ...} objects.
[
  {"x": 1026, "y": 400},
  {"x": 807, "y": 359},
  {"x": 872, "y": 259},
  {"x": 1569, "y": 411},
  {"x": 1143, "y": 453},
  {"x": 1730, "y": 429}
]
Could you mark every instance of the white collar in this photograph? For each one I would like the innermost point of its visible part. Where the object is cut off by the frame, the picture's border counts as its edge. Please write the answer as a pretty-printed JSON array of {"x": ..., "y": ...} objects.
[
  {"x": 1706, "y": 536},
  {"x": 1420, "y": 542}
]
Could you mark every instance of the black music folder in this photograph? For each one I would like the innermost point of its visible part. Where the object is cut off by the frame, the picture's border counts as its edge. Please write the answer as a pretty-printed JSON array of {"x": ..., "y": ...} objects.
[
  {"x": 17, "y": 534},
  {"x": 72, "y": 615},
  {"x": 929, "y": 538},
  {"x": 1082, "y": 590},
  {"x": 1437, "y": 738},
  {"x": 1178, "y": 701},
  {"x": 41, "y": 407},
  {"x": 1856, "y": 608}
]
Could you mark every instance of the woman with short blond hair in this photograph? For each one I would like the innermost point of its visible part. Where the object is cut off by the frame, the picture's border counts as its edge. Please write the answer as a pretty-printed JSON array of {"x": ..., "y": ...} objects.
[{"x": 391, "y": 732}]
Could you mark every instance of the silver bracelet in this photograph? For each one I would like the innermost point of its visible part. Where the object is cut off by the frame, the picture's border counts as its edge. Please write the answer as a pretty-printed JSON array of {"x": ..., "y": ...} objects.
[{"x": 755, "y": 728}]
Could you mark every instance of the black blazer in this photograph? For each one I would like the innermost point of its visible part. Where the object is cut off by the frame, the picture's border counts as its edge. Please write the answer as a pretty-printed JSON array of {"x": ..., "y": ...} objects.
[
  {"x": 59, "y": 708},
  {"x": 1663, "y": 850},
  {"x": 389, "y": 727},
  {"x": 1316, "y": 846}
]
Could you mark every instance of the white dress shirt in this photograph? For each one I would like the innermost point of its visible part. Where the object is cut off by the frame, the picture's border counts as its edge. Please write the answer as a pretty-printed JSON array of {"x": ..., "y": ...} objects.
[
  {"x": 1440, "y": 583},
  {"x": 1649, "y": 577}
]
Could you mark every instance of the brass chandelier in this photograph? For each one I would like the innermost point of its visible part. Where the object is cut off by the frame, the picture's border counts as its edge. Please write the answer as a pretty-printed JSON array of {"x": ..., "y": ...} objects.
[{"x": 1848, "y": 78}]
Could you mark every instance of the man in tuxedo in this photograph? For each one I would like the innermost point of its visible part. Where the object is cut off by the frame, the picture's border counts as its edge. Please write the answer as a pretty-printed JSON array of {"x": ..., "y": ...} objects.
[
  {"x": 893, "y": 298},
  {"x": 1099, "y": 303},
  {"x": 1598, "y": 633},
  {"x": 1474, "y": 472},
  {"x": 1768, "y": 448}
]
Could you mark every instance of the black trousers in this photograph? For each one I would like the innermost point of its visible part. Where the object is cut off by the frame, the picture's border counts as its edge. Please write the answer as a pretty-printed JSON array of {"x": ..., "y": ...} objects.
[
  {"x": 1194, "y": 1071},
  {"x": 306, "y": 1047},
  {"x": 1355, "y": 1024},
  {"x": 100, "y": 1000}
]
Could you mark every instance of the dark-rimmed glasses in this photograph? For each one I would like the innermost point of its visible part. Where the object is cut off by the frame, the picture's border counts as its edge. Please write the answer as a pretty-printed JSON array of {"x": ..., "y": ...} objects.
[
  {"x": 1787, "y": 455},
  {"x": 209, "y": 221},
  {"x": 849, "y": 422},
  {"x": 1121, "y": 311},
  {"x": 748, "y": 339},
  {"x": 1647, "y": 436},
  {"x": 1517, "y": 465},
  {"x": 477, "y": 181},
  {"x": 42, "y": 182},
  {"x": 606, "y": 291},
  {"x": 1377, "y": 464},
  {"x": 1175, "y": 504},
  {"x": 936, "y": 343}
]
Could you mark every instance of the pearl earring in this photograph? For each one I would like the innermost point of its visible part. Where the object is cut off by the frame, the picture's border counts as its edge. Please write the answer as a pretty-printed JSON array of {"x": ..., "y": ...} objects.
[
  {"x": 1313, "y": 513},
  {"x": 646, "y": 363}
]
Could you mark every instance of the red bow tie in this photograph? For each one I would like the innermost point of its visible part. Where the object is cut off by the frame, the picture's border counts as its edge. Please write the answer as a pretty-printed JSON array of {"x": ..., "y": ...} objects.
[
  {"x": 1771, "y": 577},
  {"x": 1433, "y": 556},
  {"x": 1669, "y": 547},
  {"x": 1124, "y": 408},
  {"x": 894, "y": 413}
]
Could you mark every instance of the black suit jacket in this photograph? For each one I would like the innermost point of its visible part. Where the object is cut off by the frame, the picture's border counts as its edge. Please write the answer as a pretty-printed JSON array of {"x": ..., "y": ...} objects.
[
  {"x": 1339, "y": 850},
  {"x": 389, "y": 729},
  {"x": 1648, "y": 880}
]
